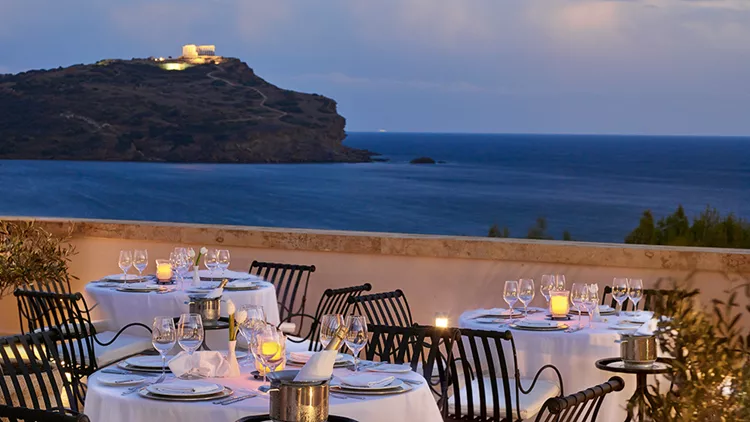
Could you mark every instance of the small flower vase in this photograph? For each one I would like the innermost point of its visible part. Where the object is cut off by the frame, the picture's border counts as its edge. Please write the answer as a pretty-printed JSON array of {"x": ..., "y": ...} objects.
[
  {"x": 196, "y": 276},
  {"x": 234, "y": 366}
]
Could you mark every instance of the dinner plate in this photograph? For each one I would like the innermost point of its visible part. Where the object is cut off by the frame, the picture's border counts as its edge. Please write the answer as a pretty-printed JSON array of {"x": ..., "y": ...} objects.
[
  {"x": 539, "y": 326},
  {"x": 205, "y": 389},
  {"x": 125, "y": 366},
  {"x": 242, "y": 285},
  {"x": 139, "y": 289},
  {"x": 121, "y": 277},
  {"x": 368, "y": 392},
  {"x": 143, "y": 392},
  {"x": 389, "y": 367},
  {"x": 147, "y": 362},
  {"x": 394, "y": 385},
  {"x": 500, "y": 313},
  {"x": 119, "y": 380},
  {"x": 490, "y": 320}
]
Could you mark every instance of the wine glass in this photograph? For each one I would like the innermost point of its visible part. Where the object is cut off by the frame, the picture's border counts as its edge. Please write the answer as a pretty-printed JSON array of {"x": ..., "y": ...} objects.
[
  {"x": 526, "y": 294},
  {"x": 559, "y": 282},
  {"x": 209, "y": 260},
  {"x": 591, "y": 301},
  {"x": 356, "y": 337},
  {"x": 125, "y": 262},
  {"x": 635, "y": 292},
  {"x": 328, "y": 326},
  {"x": 176, "y": 261},
  {"x": 619, "y": 291},
  {"x": 270, "y": 348},
  {"x": 222, "y": 260},
  {"x": 546, "y": 286},
  {"x": 140, "y": 261},
  {"x": 190, "y": 334},
  {"x": 255, "y": 321},
  {"x": 510, "y": 294},
  {"x": 578, "y": 294},
  {"x": 183, "y": 265},
  {"x": 163, "y": 337}
]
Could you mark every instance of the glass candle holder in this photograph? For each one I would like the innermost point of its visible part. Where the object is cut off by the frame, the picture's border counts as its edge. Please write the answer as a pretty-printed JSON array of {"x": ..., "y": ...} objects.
[
  {"x": 441, "y": 320},
  {"x": 163, "y": 270},
  {"x": 269, "y": 347},
  {"x": 559, "y": 303}
]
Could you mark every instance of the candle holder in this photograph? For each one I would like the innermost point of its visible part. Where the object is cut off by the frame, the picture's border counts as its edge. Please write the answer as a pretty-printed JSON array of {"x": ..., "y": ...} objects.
[
  {"x": 163, "y": 271},
  {"x": 559, "y": 303}
]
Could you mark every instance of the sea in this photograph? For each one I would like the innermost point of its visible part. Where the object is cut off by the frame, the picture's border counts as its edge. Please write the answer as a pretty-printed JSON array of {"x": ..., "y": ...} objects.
[{"x": 595, "y": 187}]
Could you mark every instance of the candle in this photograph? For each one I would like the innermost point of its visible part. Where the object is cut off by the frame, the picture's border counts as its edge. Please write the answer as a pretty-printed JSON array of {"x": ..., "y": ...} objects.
[
  {"x": 441, "y": 320},
  {"x": 268, "y": 348},
  {"x": 163, "y": 270},
  {"x": 559, "y": 304}
]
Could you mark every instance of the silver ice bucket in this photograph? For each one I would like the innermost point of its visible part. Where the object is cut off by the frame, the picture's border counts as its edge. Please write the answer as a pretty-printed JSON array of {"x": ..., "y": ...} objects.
[{"x": 293, "y": 401}]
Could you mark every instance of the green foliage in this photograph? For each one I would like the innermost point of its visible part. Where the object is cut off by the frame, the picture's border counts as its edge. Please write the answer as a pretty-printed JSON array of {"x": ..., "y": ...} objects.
[
  {"x": 566, "y": 235},
  {"x": 496, "y": 232},
  {"x": 29, "y": 254},
  {"x": 709, "y": 229}
]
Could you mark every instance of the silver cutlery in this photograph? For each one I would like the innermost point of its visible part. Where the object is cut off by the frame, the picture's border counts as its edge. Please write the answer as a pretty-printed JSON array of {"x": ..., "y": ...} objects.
[
  {"x": 573, "y": 329},
  {"x": 132, "y": 390},
  {"x": 119, "y": 372},
  {"x": 238, "y": 399},
  {"x": 344, "y": 396}
]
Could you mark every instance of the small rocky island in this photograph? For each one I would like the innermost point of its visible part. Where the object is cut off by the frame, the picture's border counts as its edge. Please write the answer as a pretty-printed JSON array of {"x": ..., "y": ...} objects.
[
  {"x": 197, "y": 108},
  {"x": 423, "y": 160}
]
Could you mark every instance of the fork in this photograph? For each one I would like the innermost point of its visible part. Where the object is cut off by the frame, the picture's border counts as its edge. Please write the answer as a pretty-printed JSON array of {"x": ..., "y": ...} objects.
[
  {"x": 343, "y": 396},
  {"x": 238, "y": 399},
  {"x": 132, "y": 390}
]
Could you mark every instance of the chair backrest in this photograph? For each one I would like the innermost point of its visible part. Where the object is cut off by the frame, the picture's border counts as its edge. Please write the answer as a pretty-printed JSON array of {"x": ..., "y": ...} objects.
[
  {"x": 287, "y": 279},
  {"x": 333, "y": 301},
  {"x": 69, "y": 314},
  {"x": 425, "y": 346},
  {"x": 647, "y": 303},
  {"x": 388, "y": 308},
  {"x": 581, "y": 406},
  {"x": 33, "y": 388}
]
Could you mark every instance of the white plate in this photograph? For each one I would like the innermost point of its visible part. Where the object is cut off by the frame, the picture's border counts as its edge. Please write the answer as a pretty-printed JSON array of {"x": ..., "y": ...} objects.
[
  {"x": 148, "y": 362},
  {"x": 389, "y": 367},
  {"x": 119, "y": 380},
  {"x": 490, "y": 320},
  {"x": 368, "y": 392},
  {"x": 207, "y": 389},
  {"x": 120, "y": 277},
  {"x": 300, "y": 359},
  {"x": 394, "y": 385},
  {"x": 537, "y": 324}
]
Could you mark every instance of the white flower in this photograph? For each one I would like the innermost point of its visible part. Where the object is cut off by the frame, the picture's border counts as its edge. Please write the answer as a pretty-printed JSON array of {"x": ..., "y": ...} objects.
[
  {"x": 240, "y": 316},
  {"x": 230, "y": 307},
  {"x": 204, "y": 250},
  {"x": 191, "y": 252}
]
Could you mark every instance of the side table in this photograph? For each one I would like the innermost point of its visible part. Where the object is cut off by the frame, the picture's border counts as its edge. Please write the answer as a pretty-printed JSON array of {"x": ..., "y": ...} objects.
[{"x": 661, "y": 366}]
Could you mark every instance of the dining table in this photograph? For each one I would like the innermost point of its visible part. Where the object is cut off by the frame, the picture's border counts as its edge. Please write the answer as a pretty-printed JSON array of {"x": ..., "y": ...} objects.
[
  {"x": 573, "y": 351},
  {"x": 119, "y": 306},
  {"x": 106, "y": 403}
]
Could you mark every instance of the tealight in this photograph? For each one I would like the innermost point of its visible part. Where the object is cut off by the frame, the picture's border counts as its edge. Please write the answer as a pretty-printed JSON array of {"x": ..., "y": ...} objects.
[
  {"x": 163, "y": 270},
  {"x": 269, "y": 347},
  {"x": 559, "y": 303},
  {"x": 441, "y": 320}
]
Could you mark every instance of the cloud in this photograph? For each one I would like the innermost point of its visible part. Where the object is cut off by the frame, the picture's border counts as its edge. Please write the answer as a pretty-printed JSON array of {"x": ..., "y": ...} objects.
[{"x": 357, "y": 82}]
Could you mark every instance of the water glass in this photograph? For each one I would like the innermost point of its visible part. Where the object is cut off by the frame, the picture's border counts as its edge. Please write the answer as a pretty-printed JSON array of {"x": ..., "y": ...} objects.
[
  {"x": 125, "y": 262},
  {"x": 510, "y": 295},
  {"x": 270, "y": 348},
  {"x": 591, "y": 301},
  {"x": 140, "y": 261},
  {"x": 356, "y": 337},
  {"x": 579, "y": 293},
  {"x": 163, "y": 337},
  {"x": 526, "y": 293},
  {"x": 619, "y": 291},
  {"x": 635, "y": 292},
  {"x": 255, "y": 321},
  {"x": 559, "y": 282},
  {"x": 190, "y": 333},
  {"x": 328, "y": 326},
  {"x": 209, "y": 260},
  {"x": 546, "y": 286},
  {"x": 222, "y": 260}
]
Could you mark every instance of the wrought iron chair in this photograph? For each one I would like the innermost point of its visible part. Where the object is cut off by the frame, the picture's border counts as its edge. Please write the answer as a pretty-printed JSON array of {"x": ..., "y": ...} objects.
[
  {"x": 388, "y": 308},
  {"x": 267, "y": 418},
  {"x": 287, "y": 279},
  {"x": 33, "y": 390},
  {"x": 648, "y": 301},
  {"x": 486, "y": 388},
  {"x": 84, "y": 349},
  {"x": 333, "y": 301},
  {"x": 581, "y": 406},
  {"x": 426, "y": 349}
]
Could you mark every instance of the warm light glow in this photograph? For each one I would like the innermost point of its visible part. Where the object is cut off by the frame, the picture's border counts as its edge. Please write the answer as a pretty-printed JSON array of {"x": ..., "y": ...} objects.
[
  {"x": 559, "y": 304},
  {"x": 174, "y": 66},
  {"x": 441, "y": 320},
  {"x": 266, "y": 349},
  {"x": 163, "y": 270}
]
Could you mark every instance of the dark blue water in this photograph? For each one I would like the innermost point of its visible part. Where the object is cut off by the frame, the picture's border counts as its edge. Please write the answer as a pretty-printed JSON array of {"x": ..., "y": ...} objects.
[{"x": 594, "y": 186}]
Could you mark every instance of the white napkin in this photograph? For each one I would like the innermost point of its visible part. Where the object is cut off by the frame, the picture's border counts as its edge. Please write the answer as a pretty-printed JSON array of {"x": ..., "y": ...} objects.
[
  {"x": 367, "y": 380},
  {"x": 185, "y": 387},
  {"x": 319, "y": 366},
  {"x": 648, "y": 328},
  {"x": 206, "y": 364},
  {"x": 215, "y": 293}
]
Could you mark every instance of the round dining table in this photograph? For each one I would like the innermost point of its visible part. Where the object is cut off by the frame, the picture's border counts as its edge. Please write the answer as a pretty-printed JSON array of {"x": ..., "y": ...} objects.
[
  {"x": 120, "y": 307},
  {"x": 106, "y": 403},
  {"x": 574, "y": 353}
]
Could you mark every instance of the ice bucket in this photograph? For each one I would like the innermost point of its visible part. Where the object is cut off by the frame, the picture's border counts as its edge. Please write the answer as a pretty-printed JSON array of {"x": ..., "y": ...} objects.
[
  {"x": 637, "y": 351},
  {"x": 207, "y": 308},
  {"x": 297, "y": 401}
]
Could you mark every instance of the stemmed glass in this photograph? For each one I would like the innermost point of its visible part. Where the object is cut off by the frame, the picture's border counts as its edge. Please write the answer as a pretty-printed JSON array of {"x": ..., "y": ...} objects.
[
  {"x": 270, "y": 348},
  {"x": 591, "y": 300},
  {"x": 559, "y": 282},
  {"x": 635, "y": 293},
  {"x": 619, "y": 291},
  {"x": 546, "y": 286},
  {"x": 190, "y": 334},
  {"x": 510, "y": 294},
  {"x": 526, "y": 294},
  {"x": 356, "y": 337},
  {"x": 255, "y": 321},
  {"x": 125, "y": 262},
  {"x": 163, "y": 337},
  {"x": 579, "y": 293},
  {"x": 222, "y": 260},
  {"x": 328, "y": 326},
  {"x": 140, "y": 261},
  {"x": 209, "y": 260}
]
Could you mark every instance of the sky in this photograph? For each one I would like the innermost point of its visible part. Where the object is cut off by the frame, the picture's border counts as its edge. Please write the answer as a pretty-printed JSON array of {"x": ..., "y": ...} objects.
[{"x": 662, "y": 67}]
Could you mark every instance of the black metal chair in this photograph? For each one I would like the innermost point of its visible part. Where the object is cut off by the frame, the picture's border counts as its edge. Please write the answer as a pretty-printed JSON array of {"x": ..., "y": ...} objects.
[
  {"x": 333, "y": 301},
  {"x": 647, "y": 303},
  {"x": 80, "y": 343},
  {"x": 267, "y": 418},
  {"x": 426, "y": 349},
  {"x": 486, "y": 388},
  {"x": 388, "y": 308},
  {"x": 33, "y": 389},
  {"x": 287, "y": 279},
  {"x": 579, "y": 407}
]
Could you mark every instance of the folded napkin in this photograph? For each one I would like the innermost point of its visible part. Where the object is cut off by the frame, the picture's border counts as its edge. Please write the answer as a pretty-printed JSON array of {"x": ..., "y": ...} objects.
[
  {"x": 215, "y": 293},
  {"x": 319, "y": 366},
  {"x": 206, "y": 364},
  {"x": 185, "y": 387},
  {"x": 648, "y": 328},
  {"x": 367, "y": 380}
]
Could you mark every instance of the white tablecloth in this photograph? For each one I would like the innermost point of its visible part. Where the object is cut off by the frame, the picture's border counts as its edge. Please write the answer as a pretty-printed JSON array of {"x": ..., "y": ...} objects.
[
  {"x": 122, "y": 308},
  {"x": 106, "y": 404},
  {"x": 574, "y": 354}
]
